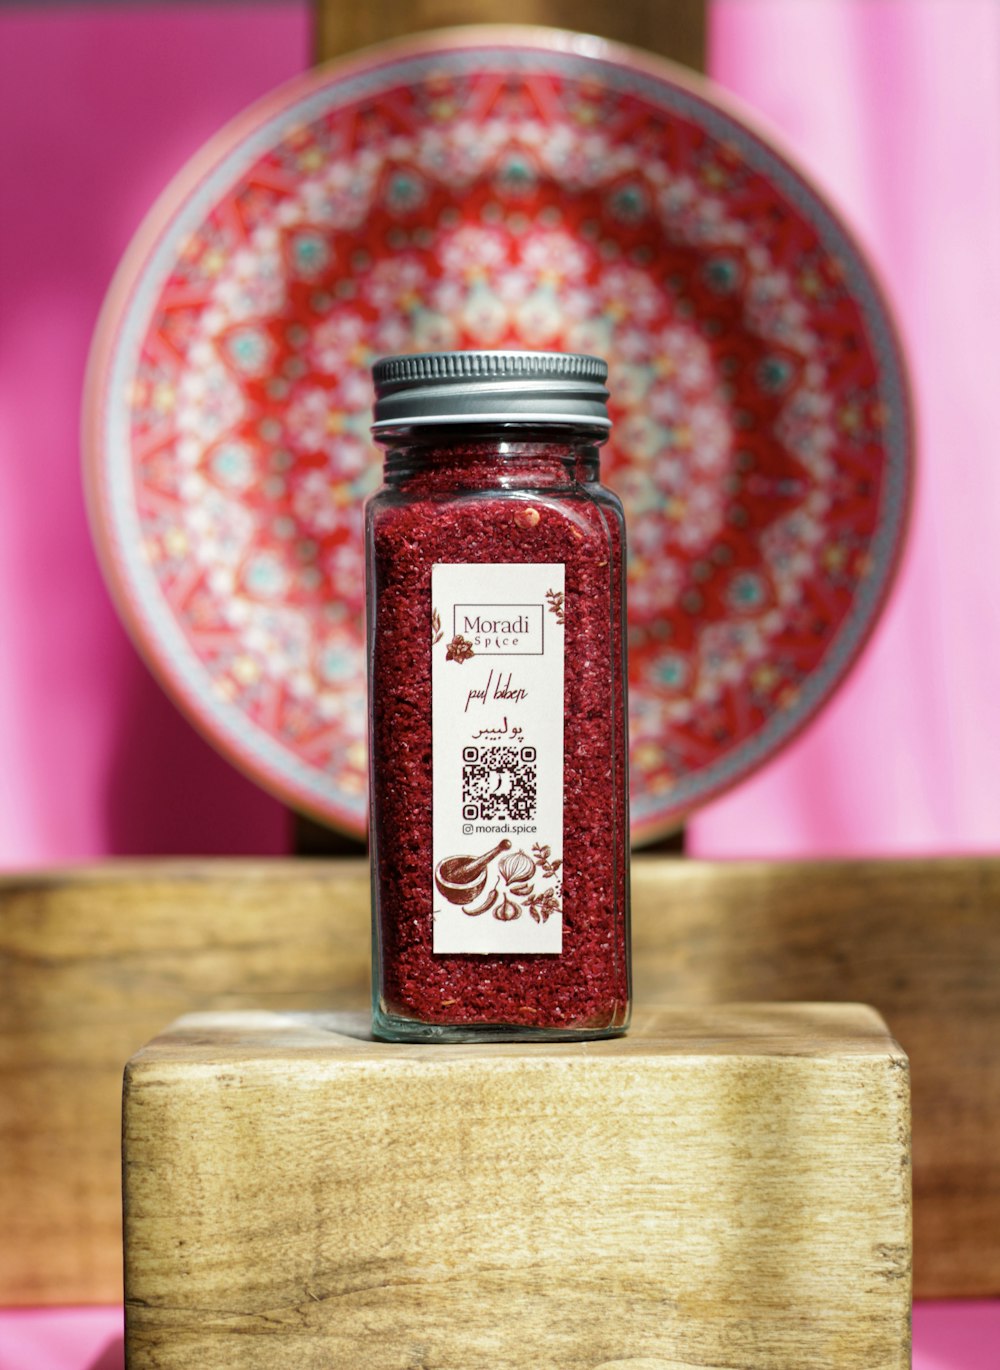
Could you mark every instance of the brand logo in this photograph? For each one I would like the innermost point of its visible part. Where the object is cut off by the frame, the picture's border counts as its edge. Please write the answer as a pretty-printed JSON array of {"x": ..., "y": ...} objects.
[{"x": 502, "y": 629}]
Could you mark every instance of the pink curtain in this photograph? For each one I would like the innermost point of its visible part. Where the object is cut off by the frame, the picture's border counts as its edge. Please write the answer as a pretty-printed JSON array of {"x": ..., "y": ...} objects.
[
  {"x": 100, "y": 106},
  {"x": 893, "y": 106}
]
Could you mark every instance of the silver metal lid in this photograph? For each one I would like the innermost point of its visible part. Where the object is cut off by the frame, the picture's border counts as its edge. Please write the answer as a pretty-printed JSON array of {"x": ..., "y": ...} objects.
[{"x": 484, "y": 387}]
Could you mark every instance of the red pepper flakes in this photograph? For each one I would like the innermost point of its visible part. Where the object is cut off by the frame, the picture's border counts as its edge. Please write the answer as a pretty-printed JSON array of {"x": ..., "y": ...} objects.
[{"x": 465, "y": 498}]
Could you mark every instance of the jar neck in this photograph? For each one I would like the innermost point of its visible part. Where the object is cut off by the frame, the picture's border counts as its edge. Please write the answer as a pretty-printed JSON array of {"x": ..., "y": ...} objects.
[{"x": 501, "y": 457}]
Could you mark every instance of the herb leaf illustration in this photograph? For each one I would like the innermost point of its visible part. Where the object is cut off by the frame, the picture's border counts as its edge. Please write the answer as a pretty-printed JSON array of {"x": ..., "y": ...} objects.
[
  {"x": 543, "y": 906},
  {"x": 543, "y": 860}
]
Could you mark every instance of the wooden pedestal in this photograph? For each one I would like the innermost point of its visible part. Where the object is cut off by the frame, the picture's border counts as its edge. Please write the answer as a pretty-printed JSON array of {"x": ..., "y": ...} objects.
[{"x": 724, "y": 1187}]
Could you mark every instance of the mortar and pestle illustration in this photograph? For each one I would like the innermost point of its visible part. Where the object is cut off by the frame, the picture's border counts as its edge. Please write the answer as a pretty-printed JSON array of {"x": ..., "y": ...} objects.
[{"x": 461, "y": 879}]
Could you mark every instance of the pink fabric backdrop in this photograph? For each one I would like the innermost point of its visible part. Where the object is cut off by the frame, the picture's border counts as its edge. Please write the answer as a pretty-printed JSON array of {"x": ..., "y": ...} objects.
[
  {"x": 100, "y": 106},
  {"x": 892, "y": 104}
]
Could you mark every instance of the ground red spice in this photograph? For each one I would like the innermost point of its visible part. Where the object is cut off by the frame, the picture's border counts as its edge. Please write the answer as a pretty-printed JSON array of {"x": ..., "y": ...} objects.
[{"x": 475, "y": 497}]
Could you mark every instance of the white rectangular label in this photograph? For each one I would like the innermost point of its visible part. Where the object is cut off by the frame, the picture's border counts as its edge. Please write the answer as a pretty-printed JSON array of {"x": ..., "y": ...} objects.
[{"x": 497, "y": 673}]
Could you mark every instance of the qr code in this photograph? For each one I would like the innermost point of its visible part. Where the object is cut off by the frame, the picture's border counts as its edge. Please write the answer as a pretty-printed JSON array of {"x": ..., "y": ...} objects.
[{"x": 499, "y": 784}]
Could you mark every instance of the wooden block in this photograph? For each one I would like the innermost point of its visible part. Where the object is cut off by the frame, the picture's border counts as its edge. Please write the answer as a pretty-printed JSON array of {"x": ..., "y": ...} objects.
[
  {"x": 93, "y": 962},
  {"x": 918, "y": 939},
  {"x": 676, "y": 30},
  {"x": 724, "y": 1187}
]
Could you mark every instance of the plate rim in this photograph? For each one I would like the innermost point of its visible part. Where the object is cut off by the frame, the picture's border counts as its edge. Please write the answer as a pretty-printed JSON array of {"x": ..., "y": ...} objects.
[{"x": 287, "y": 95}]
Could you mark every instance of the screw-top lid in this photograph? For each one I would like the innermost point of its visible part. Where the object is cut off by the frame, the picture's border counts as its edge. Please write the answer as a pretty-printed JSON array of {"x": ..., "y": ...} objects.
[{"x": 484, "y": 387}]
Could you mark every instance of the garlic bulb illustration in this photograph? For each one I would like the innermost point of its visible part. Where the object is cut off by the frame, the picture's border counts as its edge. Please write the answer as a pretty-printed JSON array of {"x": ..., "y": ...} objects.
[{"x": 507, "y": 910}]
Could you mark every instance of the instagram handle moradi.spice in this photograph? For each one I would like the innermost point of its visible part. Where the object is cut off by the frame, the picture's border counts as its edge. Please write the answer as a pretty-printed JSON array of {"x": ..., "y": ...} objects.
[{"x": 497, "y": 689}]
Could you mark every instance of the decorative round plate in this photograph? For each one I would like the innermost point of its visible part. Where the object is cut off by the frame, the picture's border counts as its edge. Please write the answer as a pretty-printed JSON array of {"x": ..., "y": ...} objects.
[{"x": 490, "y": 188}]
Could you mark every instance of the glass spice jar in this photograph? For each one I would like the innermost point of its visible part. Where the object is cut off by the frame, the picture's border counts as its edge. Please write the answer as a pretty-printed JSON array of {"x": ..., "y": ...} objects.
[{"x": 497, "y": 696}]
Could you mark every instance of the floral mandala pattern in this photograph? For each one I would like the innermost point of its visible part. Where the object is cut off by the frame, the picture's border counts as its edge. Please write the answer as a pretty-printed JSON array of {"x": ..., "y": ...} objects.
[{"x": 485, "y": 199}]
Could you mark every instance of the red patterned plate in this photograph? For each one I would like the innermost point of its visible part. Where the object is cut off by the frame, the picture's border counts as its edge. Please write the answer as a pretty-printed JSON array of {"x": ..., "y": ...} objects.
[{"x": 481, "y": 188}]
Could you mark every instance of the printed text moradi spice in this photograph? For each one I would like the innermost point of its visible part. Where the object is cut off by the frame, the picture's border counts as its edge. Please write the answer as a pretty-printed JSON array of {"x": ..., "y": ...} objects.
[{"x": 497, "y": 687}]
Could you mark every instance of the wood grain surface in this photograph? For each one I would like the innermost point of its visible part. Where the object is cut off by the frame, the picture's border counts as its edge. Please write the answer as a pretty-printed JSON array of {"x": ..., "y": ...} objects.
[
  {"x": 94, "y": 963},
  {"x": 918, "y": 939},
  {"x": 672, "y": 28},
  {"x": 722, "y": 1187}
]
